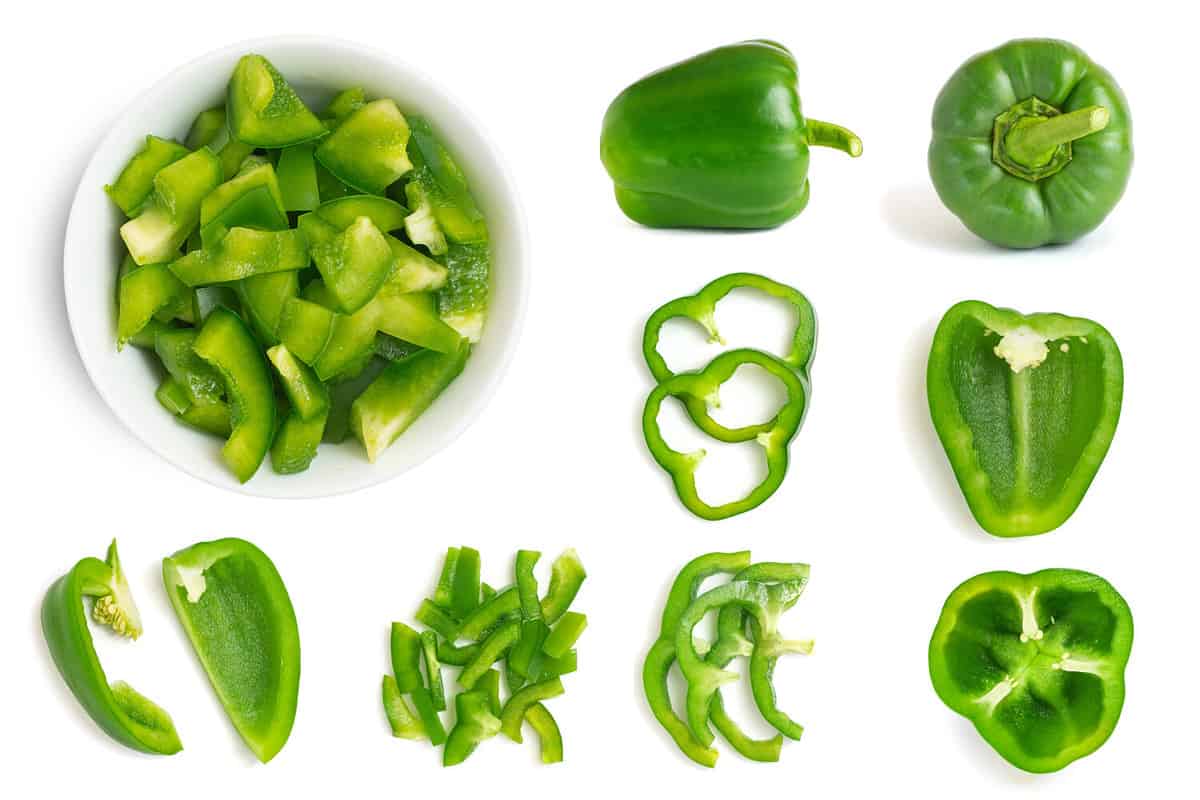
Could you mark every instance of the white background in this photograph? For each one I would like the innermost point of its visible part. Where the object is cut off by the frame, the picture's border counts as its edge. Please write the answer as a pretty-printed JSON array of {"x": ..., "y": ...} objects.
[{"x": 558, "y": 460}]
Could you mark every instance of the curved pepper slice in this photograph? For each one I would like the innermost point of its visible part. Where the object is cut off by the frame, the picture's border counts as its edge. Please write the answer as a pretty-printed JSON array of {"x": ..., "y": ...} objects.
[
  {"x": 716, "y": 141},
  {"x": 243, "y": 253},
  {"x": 1025, "y": 407},
  {"x": 264, "y": 110},
  {"x": 1036, "y": 662},
  {"x": 1031, "y": 144},
  {"x": 701, "y": 308},
  {"x": 522, "y": 700},
  {"x": 227, "y": 344},
  {"x": 121, "y": 712},
  {"x": 475, "y": 723},
  {"x": 773, "y": 435},
  {"x": 550, "y": 738},
  {"x": 237, "y": 614}
]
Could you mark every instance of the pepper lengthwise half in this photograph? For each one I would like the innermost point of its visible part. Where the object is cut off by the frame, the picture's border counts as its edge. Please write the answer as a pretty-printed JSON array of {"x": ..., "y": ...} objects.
[
  {"x": 367, "y": 304},
  {"x": 1025, "y": 407}
]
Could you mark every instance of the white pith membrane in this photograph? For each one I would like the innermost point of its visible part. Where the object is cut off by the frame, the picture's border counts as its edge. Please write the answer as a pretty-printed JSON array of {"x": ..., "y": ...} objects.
[
  {"x": 191, "y": 576},
  {"x": 1022, "y": 348}
]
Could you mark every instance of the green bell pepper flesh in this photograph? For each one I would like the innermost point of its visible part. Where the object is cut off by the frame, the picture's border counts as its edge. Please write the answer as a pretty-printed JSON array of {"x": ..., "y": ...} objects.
[
  {"x": 1032, "y": 144},
  {"x": 443, "y": 594},
  {"x": 262, "y": 298},
  {"x": 297, "y": 171},
  {"x": 504, "y": 605},
  {"x": 566, "y": 578},
  {"x": 388, "y": 215},
  {"x": 413, "y": 271},
  {"x": 354, "y": 264},
  {"x": 236, "y": 612},
  {"x": 308, "y": 396},
  {"x": 463, "y": 301},
  {"x": 433, "y": 670},
  {"x": 716, "y": 141},
  {"x": 296, "y": 441},
  {"x": 549, "y": 737},
  {"x": 136, "y": 181},
  {"x": 200, "y": 381},
  {"x": 1036, "y": 662},
  {"x": 368, "y": 150},
  {"x": 406, "y": 657},
  {"x": 207, "y": 416},
  {"x": 445, "y": 186},
  {"x": 773, "y": 436},
  {"x": 233, "y": 154},
  {"x": 430, "y": 719},
  {"x": 432, "y": 616},
  {"x": 252, "y": 199},
  {"x": 421, "y": 226},
  {"x": 489, "y": 684},
  {"x": 264, "y": 110},
  {"x": 491, "y": 650},
  {"x": 143, "y": 293},
  {"x": 243, "y": 253},
  {"x": 464, "y": 594},
  {"x": 520, "y": 702},
  {"x": 121, "y": 712},
  {"x": 475, "y": 723},
  {"x": 345, "y": 103},
  {"x": 402, "y": 719},
  {"x": 208, "y": 126},
  {"x": 227, "y": 344},
  {"x": 1026, "y": 408},
  {"x": 565, "y": 634},
  {"x": 172, "y": 212}
]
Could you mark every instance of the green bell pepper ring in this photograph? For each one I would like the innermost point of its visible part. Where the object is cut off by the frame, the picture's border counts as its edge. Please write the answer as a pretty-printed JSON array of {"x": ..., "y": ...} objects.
[
  {"x": 549, "y": 737},
  {"x": 701, "y": 308},
  {"x": 475, "y": 723},
  {"x": 521, "y": 701},
  {"x": 773, "y": 435},
  {"x": 264, "y": 110},
  {"x": 369, "y": 149},
  {"x": 136, "y": 181},
  {"x": 402, "y": 719},
  {"x": 1026, "y": 408},
  {"x": 1032, "y": 144},
  {"x": 716, "y": 141},
  {"x": 121, "y": 712},
  {"x": 236, "y": 612},
  {"x": 227, "y": 344},
  {"x": 1036, "y": 662}
]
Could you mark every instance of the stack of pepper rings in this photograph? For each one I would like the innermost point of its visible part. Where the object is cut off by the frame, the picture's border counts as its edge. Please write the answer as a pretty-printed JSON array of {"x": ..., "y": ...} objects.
[{"x": 699, "y": 390}]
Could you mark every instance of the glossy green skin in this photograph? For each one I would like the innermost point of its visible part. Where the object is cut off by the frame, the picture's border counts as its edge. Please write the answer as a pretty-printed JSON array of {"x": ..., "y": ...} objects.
[
  {"x": 1024, "y": 447},
  {"x": 243, "y": 629},
  {"x": 1008, "y": 210},
  {"x": 1036, "y": 662},
  {"x": 716, "y": 141}
]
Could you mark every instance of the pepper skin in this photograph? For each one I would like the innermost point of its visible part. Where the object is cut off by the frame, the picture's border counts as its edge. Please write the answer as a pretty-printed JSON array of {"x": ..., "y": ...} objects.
[
  {"x": 716, "y": 141},
  {"x": 236, "y": 612},
  {"x": 1032, "y": 144},
  {"x": 1036, "y": 662},
  {"x": 121, "y": 712},
  {"x": 1025, "y": 407}
]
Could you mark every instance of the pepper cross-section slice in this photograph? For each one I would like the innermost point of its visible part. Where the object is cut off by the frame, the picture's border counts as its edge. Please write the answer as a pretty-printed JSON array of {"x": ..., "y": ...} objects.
[
  {"x": 236, "y": 611},
  {"x": 1036, "y": 662},
  {"x": 1026, "y": 407}
]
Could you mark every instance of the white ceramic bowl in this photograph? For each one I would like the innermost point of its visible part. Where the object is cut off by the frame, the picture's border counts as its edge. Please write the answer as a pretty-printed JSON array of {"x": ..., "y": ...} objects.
[{"x": 316, "y": 67}]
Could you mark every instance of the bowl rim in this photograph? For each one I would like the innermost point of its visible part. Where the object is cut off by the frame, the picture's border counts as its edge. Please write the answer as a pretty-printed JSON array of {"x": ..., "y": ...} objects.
[{"x": 374, "y": 474}]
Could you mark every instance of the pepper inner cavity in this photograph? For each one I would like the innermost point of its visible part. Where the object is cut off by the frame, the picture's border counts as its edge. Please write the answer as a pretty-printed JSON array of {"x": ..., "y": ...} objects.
[{"x": 746, "y": 317}]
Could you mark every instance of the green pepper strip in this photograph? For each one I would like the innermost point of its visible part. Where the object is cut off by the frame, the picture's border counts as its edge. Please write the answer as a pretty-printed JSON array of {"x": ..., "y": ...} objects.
[
  {"x": 441, "y": 595},
  {"x": 520, "y": 703},
  {"x": 732, "y": 642},
  {"x": 550, "y": 738},
  {"x": 773, "y": 435},
  {"x": 456, "y": 656},
  {"x": 475, "y": 723},
  {"x": 406, "y": 657},
  {"x": 434, "y": 618},
  {"x": 565, "y": 634},
  {"x": 433, "y": 670},
  {"x": 489, "y": 684},
  {"x": 404, "y": 722},
  {"x": 566, "y": 577},
  {"x": 662, "y": 653},
  {"x": 525, "y": 657},
  {"x": 502, "y": 606},
  {"x": 430, "y": 719},
  {"x": 464, "y": 597},
  {"x": 490, "y": 651}
]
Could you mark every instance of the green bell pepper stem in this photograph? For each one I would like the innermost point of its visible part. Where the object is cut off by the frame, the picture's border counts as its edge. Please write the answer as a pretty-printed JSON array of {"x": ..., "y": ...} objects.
[
  {"x": 489, "y": 684},
  {"x": 520, "y": 702},
  {"x": 826, "y": 134},
  {"x": 236, "y": 612},
  {"x": 406, "y": 650},
  {"x": 433, "y": 670},
  {"x": 430, "y": 719},
  {"x": 764, "y": 750},
  {"x": 773, "y": 436},
  {"x": 475, "y": 723},
  {"x": 502, "y": 606},
  {"x": 445, "y": 585},
  {"x": 403, "y": 720},
  {"x": 549, "y": 736},
  {"x": 456, "y": 656},
  {"x": 121, "y": 712},
  {"x": 1033, "y": 144},
  {"x": 1050, "y": 647},
  {"x": 565, "y": 634},
  {"x": 227, "y": 344},
  {"x": 431, "y": 615},
  {"x": 566, "y": 578},
  {"x": 498, "y": 642},
  {"x": 464, "y": 597}
]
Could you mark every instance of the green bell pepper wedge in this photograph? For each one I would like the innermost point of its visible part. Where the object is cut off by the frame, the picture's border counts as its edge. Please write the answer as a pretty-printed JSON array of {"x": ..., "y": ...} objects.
[
  {"x": 144, "y": 293},
  {"x": 369, "y": 149},
  {"x": 251, "y": 199},
  {"x": 463, "y": 301},
  {"x": 1032, "y": 144},
  {"x": 297, "y": 172},
  {"x": 445, "y": 186},
  {"x": 401, "y": 717},
  {"x": 773, "y": 436},
  {"x": 476, "y": 723},
  {"x": 701, "y": 309},
  {"x": 522, "y": 700},
  {"x": 264, "y": 110},
  {"x": 295, "y": 444},
  {"x": 542, "y": 721},
  {"x": 172, "y": 212},
  {"x": 354, "y": 264},
  {"x": 1036, "y": 662},
  {"x": 200, "y": 381},
  {"x": 413, "y": 271},
  {"x": 207, "y": 416},
  {"x": 262, "y": 298},
  {"x": 716, "y": 141},
  {"x": 243, "y": 253},
  {"x": 227, "y": 344},
  {"x": 208, "y": 126},
  {"x": 136, "y": 181},
  {"x": 121, "y": 712},
  {"x": 236, "y": 612},
  {"x": 307, "y": 394},
  {"x": 566, "y": 579},
  {"x": 345, "y": 103},
  {"x": 1026, "y": 408}
]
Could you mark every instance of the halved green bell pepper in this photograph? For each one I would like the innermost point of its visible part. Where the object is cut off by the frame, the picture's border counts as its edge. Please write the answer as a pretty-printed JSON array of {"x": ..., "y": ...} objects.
[
  {"x": 1025, "y": 407},
  {"x": 121, "y": 712},
  {"x": 369, "y": 149},
  {"x": 1036, "y": 662},
  {"x": 264, "y": 110},
  {"x": 1032, "y": 143},
  {"x": 236, "y": 612}
]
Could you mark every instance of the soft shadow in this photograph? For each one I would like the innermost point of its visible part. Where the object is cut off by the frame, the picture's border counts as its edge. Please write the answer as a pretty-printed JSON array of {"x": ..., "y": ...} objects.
[{"x": 916, "y": 215}]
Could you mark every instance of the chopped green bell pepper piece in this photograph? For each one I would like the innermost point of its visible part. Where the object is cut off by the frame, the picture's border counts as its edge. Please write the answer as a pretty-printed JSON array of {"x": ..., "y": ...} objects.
[
  {"x": 464, "y": 594},
  {"x": 489, "y": 684},
  {"x": 206, "y": 128},
  {"x": 521, "y": 701},
  {"x": 136, "y": 181},
  {"x": 305, "y": 327},
  {"x": 388, "y": 215},
  {"x": 297, "y": 171},
  {"x": 210, "y": 416},
  {"x": 413, "y": 271},
  {"x": 1032, "y": 144},
  {"x": 227, "y": 344},
  {"x": 236, "y": 612},
  {"x": 475, "y": 723},
  {"x": 295, "y": 443},
  {"x": 491, "y": 649},
  {"x": 550, "y": 738},
  {"x": 200, "y": 381},
  {"x": 143, "y": 293},
  {"x": 773, "y": 436},
  {"x": 430, "y": 719},
  {"x": 445, "y": 186},
  {"x": 442, "y": 595},
  {"x": 345, "y": 103},
  {"x": 716, "y": 141},
  {"x": 234, "y": 155},
  {"x": 173, "y": 210},
  {"x": 433, "y": 670},
  {"x": 368, "y": 150},
  {"x": 406, "y": 649},
  {"x": 502, "y": 606},
  {"x": 400, "y": 394},
  {"x": 251, "y": 199},
  {"x": 262, "y": 298},
  {"x": 354, "y": 264},
  {"x": 402, "y": 719},
  {"x": 308, "y": 396},
  {"x": 421, "y": 225},
  {"x": 1025, "y": 407},
  {"x": 264, "y": 110},
  {"x": 432, "y": 616},
  {"x": 463, "y": 301},
  {"x": 1036, "y": 662},
  {"x": 566, "y": 578},
  {"x": 565, "y": 634},
  {"x": 122, "y": 713},
  {"x": 243, "y": 253}
]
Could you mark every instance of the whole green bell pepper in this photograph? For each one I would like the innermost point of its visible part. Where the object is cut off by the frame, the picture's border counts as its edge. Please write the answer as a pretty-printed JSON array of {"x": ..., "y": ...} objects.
[
  {"x": 1032, "y": 143},
  {"x": 121, "y": 712},
  {"x": 716, "y": 141},
  {"x": 1036, "y": 662},
  {"x": 236, "y": 612},
  {"x": 1025, "y": 407}
]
